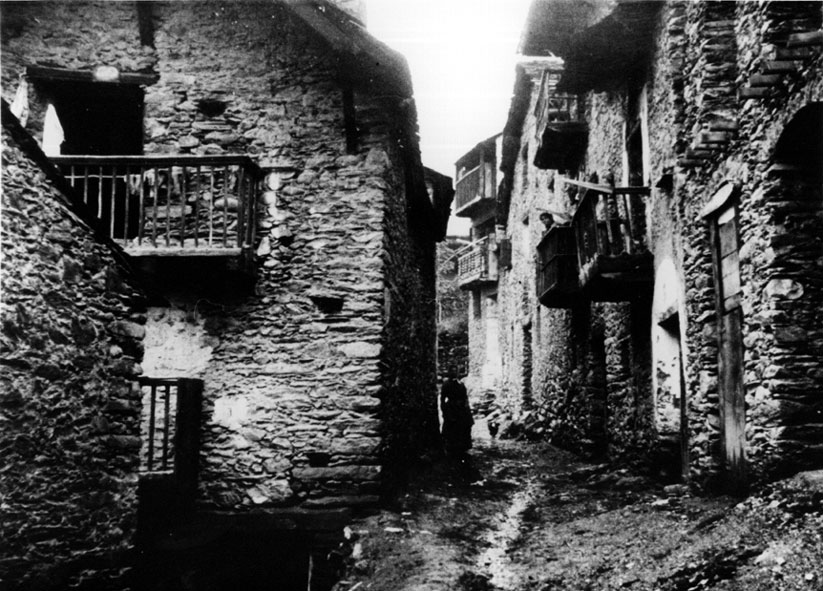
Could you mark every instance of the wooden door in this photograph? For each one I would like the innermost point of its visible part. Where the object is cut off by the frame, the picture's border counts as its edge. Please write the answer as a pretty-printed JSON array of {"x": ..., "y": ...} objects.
[{"x": 730, "y": 345}]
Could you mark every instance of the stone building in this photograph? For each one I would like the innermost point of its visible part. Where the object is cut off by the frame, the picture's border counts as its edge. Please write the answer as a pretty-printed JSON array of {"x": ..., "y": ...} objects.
[
  {"x": 475, "y": 197},
  {"x": 669, "y": 309},
  {"x": 256, "y": 165},
  {"x": 452, "y": 313}
]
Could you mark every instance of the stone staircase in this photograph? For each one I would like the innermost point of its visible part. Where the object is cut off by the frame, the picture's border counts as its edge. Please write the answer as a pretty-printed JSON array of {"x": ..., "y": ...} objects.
[
  {"x": 794, "y": 32},
  {"x": 790, "y": 60}
]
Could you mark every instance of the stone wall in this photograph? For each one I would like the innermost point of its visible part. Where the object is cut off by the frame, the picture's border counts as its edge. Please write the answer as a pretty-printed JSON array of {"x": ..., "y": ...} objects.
[
  {"x": 70, "y": 348},
  {"x": 452, "y": 315},
  {"x": 597, "y": 363},
  {"x": 776, "y": 439},
  {"x": 575, "y": 375},
  {"x": 303, "y": 375}
]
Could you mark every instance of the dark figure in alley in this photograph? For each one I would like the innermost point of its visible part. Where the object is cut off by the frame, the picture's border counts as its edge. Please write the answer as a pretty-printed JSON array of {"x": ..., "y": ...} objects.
[{"x": 457, "y": 419}]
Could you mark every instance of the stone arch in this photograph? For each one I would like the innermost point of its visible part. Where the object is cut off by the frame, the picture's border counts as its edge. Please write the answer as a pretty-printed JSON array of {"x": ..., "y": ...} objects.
[
  {"x": 790, "y": 294},
  {"x": 799, "y": 149}
]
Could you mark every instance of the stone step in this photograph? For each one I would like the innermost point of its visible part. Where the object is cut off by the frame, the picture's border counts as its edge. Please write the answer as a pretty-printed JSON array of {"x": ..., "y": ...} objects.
[
  {"x": 686, "y": 162},
  {"x": 794, "y": 53},
  {"x": 713, "y": 137},
  {"x": 698, "y": 154},
  {"x": 807, "y": 39},
  {"x": 779, "y": 67},
  {"x": 758, "y": 80},
  {"x": 755, "y": 93},
  {"x": 723, "y": 125}
]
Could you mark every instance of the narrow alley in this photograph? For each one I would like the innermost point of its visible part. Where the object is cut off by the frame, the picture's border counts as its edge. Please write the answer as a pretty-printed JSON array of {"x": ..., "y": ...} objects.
[{"x": 530, "y": 517}]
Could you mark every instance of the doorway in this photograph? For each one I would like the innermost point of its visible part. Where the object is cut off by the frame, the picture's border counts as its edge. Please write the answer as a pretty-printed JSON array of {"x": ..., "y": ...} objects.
[
  {"x": 724, "y": 229},
  {"x": 670, "y": 403}
]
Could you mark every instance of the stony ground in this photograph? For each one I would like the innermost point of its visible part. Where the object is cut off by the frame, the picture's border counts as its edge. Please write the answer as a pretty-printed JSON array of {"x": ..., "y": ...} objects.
[{"x": 527, "y": 517}]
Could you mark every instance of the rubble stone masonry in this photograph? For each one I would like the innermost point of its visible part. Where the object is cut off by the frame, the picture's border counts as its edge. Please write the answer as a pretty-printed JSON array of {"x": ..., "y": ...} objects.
[
  {"x": 592, "y": 367},
  {"x": 325, "y": 370},
  {"x": 70, "y": 347}
]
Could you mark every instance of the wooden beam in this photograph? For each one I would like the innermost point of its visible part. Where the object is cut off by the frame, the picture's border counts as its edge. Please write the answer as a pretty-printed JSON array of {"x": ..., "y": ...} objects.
[
  {"x": 754, "y": 93},
  {"x": 585, "y": 185},
  {"x": 68, "y": 75},
  {"x": 805, "y": 39},
  {"x": 779, "y": 67},
  {"x": 764, "y": 79}
]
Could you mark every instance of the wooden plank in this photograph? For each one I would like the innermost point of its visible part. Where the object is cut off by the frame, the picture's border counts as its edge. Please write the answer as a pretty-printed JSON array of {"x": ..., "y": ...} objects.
[
  {"x": 155, "y": 160},
  {"x": 585, "y": 185},
  {"x": 779, "y": 67},
  {"x": 758, "y": 80},
  {"x": 754, "y": 93},
  {"x": 176, "y": 251},
  {"x": 805, "y": 39},
  {"x": 49, "y": 73},
  {"x": 732, "y": 396}
]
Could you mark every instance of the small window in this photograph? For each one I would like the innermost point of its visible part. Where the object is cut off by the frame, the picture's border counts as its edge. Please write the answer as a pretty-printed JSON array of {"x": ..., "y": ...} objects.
[
  {"x": 94, "y": 118},
  {"x": 728, "y": 260},
  {"x": 477, "y": 305}
]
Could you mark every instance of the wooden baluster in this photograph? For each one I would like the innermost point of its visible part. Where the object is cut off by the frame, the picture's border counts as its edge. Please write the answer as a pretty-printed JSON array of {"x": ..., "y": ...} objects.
[
  {"x": 196, "y": 205},
  {"x": 156, "y": 197},
  {"x": 127, "y": 178},
  {"x": 211, "y": 205},
  {"x": 169, "y": 183},
  {"x": 141, "y": 207},
  {"x": 607, "y": 203},
  {"x": 225, "y": 205},
  {"x": 591, "y": 212},
  {"x": 255, "y": 191},
  {"x": 113, "y": 199},
  {"x": 627, "y": 224},
  {"x": 86, "y": 184},
  {"x": 100, "y": 193},
  {"x": 183, "y": 201},
  {"x": 166, "y": 423},
  {"x": 152, "y": 411},
  {"x": 241, "y": 203}
]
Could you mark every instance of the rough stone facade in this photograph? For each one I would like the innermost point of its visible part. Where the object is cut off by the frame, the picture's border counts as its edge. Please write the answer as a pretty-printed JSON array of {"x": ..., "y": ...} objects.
[
  {"x": 324, "y": 371},
  {"x": 70, "y": 348},
  {"x": 452, "y": 315},
  {"x": 606, "y": 376}
]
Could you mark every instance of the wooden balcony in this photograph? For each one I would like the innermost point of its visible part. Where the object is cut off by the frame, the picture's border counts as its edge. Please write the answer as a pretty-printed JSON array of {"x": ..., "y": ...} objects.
[
  {"x": 610, "y": 229},
  {"x": 477, "y": 264},
  {"x": 558, "y": 285},
  {"x": 563, "y": 132},
  {"x": 170, "y": 205},
  {"x": 475, "y": 192}
]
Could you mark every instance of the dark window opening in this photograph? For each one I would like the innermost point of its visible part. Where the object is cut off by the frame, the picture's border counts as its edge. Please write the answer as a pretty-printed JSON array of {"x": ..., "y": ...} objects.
[
  {"x": 634, "y": 139},
  {"x": 350, "y": 121},
  {"x": 97, "y": 118}
]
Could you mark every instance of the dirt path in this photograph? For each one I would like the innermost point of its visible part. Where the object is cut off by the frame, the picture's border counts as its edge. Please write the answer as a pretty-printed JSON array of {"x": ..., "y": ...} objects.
[{"x": 533, "y": 518}]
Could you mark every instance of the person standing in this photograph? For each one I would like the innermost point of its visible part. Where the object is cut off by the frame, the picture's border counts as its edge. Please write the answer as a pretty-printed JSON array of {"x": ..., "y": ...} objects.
[{"x": 457, "y": 418}]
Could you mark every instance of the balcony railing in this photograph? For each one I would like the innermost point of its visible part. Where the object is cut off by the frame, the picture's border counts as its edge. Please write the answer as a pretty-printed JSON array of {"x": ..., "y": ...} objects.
[
  {"x": 562, "y": 131},
  {"x": 557, "y": 278},
  {"x": 170, "y": 452},
  {"x": 610, "y": 230},
  {"x": 562, "y": 108},
  {"x": 467, "y": 188},
  {"x": 170, "y": 425},
  {"x": 477, "y": 264},
  {"x": 170, "y": 205}
]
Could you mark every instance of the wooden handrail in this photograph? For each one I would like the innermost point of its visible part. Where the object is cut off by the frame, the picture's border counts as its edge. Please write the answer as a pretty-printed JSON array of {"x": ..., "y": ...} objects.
[
  {"x": 161, "y": 159},
  {"x": 170, "y": 203}
]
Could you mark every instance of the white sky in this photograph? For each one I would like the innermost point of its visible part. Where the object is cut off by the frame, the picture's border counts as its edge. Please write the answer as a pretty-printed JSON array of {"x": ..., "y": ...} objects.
[{"x": 462, "y": 55}]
